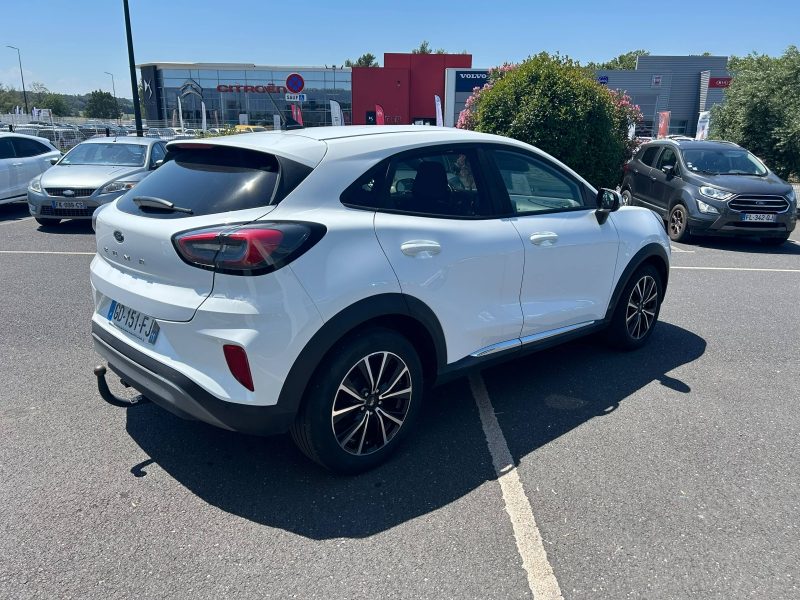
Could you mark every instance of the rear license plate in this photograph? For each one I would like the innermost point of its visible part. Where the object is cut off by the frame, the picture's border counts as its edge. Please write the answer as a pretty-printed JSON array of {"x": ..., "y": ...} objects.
[
  {"x": 141, "y": 326},
  {"x": 73, "y": 205},
  {"x": 768, "y": 218}
]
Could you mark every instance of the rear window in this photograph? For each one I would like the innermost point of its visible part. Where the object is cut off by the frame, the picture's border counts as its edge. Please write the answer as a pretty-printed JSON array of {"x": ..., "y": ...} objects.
[
  {"x": 215, "y": 180},
  {"x": 649, "y": 155}
]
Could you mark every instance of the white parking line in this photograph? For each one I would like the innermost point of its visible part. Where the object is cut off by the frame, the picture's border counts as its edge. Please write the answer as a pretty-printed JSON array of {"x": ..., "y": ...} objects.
[
  {"x": 736, "y": 269},
  {"x": 541, "y": 578},
  {"x": 16, "y": 221},
  {"x": 44, "y": 252}
]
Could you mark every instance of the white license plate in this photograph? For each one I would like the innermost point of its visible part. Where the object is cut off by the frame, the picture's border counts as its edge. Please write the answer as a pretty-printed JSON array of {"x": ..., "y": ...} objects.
[
  {"x": 768, "y": 218},
  {"x": 141, "y": 326},
  {"x": 61, "y": 204}
]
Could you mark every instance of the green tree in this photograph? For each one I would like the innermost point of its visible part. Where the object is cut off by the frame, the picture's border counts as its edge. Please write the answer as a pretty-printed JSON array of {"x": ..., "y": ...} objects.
[
  {"x": 101, "y": 105},
  {"x": 365, "y": 60},
  {"x": 761, "y": 111},
  {"x": 424, "y": 48},
  {"x": 550, "y": 102},
  {"x": 57, "y": 104},
  {"x": 37, "y": 93},
  {"x": 625, "y": 61}
]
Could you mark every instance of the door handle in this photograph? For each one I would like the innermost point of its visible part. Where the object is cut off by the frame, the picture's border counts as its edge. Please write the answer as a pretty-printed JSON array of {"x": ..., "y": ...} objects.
[
  {"x": 636, "y": 171},
  {"x": 17, "y": 164},
  {"x": 544, "y": 238},
  {"x": 416, "y": 247},
  {"x": 653, "y": 178}
]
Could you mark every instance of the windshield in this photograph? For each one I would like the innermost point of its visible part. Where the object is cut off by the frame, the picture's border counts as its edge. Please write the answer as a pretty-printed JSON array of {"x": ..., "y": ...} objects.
[
  {"x": 123, "y": 155},
  {"x": 724, "y": 161}
]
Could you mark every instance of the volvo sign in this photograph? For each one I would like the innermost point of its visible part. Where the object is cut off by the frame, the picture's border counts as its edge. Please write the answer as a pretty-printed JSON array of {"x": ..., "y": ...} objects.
[{"x": 466, "y": 81}]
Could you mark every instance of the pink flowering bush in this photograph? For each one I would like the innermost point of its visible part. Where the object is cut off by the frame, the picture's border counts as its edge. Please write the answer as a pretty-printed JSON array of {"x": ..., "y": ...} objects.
[{"x": 548, "y": 101}]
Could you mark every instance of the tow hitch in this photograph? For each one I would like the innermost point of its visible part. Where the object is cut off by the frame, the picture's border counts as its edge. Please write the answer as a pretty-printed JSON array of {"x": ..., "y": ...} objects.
[{"x": 102, "y": 387}]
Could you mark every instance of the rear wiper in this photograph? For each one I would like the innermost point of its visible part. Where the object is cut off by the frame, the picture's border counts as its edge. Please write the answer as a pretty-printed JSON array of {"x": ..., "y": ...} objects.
[{"x": 160, "y": 204}]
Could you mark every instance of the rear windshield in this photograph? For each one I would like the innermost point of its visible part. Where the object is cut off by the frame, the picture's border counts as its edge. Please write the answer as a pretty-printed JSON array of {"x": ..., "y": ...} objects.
[
  {"x": 114, "y": 154},
  {"x": 207, "y": 181}
]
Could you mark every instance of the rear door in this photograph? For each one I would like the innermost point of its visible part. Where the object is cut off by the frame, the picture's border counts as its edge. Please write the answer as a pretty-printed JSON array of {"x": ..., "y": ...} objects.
[
  {"x": 137, "y": 264},
  {"x": 33, "y": 155},
  {"x": 642, "y": 166},
  {"x": 437, "y": 225}
]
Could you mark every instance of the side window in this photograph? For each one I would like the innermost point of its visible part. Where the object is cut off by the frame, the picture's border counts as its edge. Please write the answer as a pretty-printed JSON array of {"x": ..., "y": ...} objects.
[
  {"x": 365, "y": 191},
  {"x": 667, "y": 158},
  {"x": 444, "y": 183},
  {"x": 156, "y": 154},
  {"x": 6, "y": 148},
  {"x": 650, "y": 155},
  {"x": 535, "y": 186},
  {"x": 26, "y": 147}
]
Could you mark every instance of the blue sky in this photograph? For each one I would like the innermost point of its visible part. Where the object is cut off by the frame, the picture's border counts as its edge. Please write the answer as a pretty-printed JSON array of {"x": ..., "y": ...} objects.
[{"x": 68, "y": 45}]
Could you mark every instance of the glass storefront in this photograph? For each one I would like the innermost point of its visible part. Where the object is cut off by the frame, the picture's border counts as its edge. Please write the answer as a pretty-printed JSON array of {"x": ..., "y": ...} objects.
[{"x": 229, "y": 93}]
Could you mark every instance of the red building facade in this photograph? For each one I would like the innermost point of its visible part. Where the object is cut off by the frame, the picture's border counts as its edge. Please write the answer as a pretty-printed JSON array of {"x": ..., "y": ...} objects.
[{"x": 404, "y": 86}]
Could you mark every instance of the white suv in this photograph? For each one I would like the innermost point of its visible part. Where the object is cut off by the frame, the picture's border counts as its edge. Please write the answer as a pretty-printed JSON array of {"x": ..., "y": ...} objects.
[{"x": 317, "y": 280}]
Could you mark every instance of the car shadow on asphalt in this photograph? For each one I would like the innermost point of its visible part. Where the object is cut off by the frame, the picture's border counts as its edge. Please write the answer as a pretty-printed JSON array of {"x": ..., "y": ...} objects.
[
  {"x": 69, "y": 227},
  {"x": 540, "y": 397},
  {"x": 745, "y": 244},
  {"x": 14, "y": 211}
]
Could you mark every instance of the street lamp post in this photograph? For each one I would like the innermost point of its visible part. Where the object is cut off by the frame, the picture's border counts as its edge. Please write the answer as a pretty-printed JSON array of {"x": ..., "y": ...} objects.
[
  {"x": 24, "y": 93},
  {"x": 114, "y": 88}
]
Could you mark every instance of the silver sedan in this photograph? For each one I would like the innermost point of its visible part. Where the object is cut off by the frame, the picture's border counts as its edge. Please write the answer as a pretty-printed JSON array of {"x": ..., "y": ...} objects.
[{"x": 93, "y": 173}]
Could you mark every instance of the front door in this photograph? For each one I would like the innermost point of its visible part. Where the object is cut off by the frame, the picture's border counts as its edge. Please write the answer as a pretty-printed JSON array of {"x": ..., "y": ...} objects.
[
  {"x": 8, "y": 171},
  {"x": 663, "y": 185},
  {"x": 569, "y": 256},
  {"x": 641, "y": 174},
  {"x": 438, "y": 228}
]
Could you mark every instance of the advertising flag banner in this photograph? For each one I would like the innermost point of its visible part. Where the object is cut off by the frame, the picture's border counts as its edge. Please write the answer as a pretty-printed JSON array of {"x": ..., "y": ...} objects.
[
  {"x": 276, "y": 122},
  {"x": 180, "y": 113},
  {"x": 379, "y": 118},
  {"x": 663, "y": 124},
  {"x": 632, "y": 131},
  {"x": 203, "y": 118},
  {"x": 702, "y": 125},
  {"x": 336, "y": 114},
  {"x": 439, "y": 120},
  {"x": 297, "y": 114}
]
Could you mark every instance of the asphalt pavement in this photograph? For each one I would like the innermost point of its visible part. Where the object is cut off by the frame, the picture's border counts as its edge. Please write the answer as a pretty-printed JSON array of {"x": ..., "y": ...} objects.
[{"x": 670, "y": 472}]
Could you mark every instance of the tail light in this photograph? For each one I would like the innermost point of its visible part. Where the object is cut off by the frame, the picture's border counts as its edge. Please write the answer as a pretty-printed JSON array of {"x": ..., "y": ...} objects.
[
  {"x": 252, "y": 249},
  {"x": 237, "y": 361}
]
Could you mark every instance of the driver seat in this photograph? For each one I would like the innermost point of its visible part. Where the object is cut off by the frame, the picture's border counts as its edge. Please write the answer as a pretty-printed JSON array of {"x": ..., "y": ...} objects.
[{"x": 430, "y": 193}]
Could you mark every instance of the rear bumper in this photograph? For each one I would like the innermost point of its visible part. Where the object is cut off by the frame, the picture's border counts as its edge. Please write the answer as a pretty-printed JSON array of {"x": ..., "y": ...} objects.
[{"x": 179, "y": 395}]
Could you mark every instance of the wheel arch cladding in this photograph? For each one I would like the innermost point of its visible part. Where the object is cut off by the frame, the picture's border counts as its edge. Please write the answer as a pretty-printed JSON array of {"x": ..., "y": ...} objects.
[
  {"x": 407, "y": 315},
  {"x": 653, "y": 254}
]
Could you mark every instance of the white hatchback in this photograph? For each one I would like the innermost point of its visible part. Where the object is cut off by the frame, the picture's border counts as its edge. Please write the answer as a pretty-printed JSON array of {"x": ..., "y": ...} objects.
[{"x": 315, "y": 281}]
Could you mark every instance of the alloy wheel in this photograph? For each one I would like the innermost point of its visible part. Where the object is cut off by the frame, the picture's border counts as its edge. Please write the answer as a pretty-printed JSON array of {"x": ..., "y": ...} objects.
[
  {"x": 371, "y": 403},
  {"x": 642, "y": 304},
  {"x": 626, "y": 198},
  {"x": 677, "y": 222}
]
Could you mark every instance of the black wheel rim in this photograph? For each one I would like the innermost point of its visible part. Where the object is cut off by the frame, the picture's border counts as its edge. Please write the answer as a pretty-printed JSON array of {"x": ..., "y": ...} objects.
[
  {"x": 372, "y": 403},
  {"x": 677, "y": 222},
  {"x": 642, "y": 304},
  {"x": 626, "y": 198}
]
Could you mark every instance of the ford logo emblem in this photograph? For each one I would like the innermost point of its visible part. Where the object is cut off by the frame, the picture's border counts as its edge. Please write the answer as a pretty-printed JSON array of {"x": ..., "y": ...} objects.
[
  {"x": 68, "y": 193},
  {"x": 118, "y": 236}
]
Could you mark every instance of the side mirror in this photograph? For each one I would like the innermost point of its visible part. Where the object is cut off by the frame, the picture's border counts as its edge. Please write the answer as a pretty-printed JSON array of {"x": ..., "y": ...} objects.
[
  {"x": 158, "y": 164},
  {"x": 668, "y": 170},
  {"x": 54, "y": 160},
  {"x": 607, "y": 202}
]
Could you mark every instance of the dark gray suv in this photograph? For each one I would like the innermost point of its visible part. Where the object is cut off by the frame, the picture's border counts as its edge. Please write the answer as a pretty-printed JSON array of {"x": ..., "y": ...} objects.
[{"x": 710, "y": 188}]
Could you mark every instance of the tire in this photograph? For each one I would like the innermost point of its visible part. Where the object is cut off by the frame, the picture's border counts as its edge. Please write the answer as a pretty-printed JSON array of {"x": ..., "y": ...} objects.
[
  {"x": 678, "y": 224},
  {"x": 343, "y": 442},
  {"x": 637, "y": 307},
  {"x": 47, "y": 222},
  {"x": 627, "y": 198},
  {"x": 774, "y": 241}
]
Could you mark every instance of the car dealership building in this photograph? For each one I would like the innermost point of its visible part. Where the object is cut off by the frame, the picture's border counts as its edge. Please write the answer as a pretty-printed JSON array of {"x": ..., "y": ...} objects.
[{"x": 405, "y": 87}]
